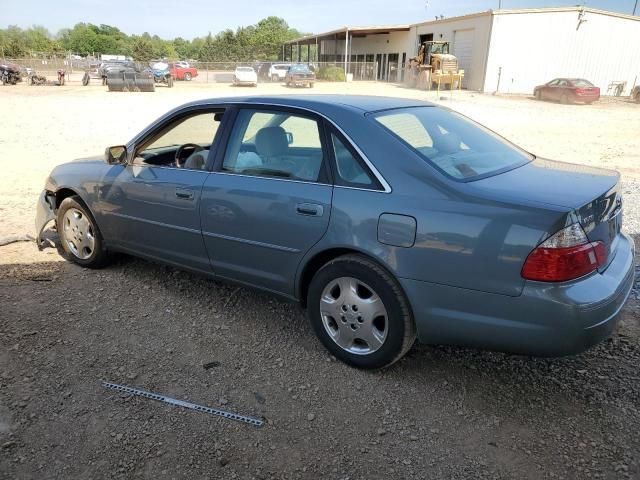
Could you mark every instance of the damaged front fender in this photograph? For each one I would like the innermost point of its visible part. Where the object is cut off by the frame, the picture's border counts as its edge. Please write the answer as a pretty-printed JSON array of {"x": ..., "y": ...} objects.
[{"x": 45, "y": 213}]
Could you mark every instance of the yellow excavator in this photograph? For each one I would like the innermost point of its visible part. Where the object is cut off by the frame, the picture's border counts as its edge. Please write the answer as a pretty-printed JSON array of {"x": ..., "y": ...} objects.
[{"x": 434, "y": 66}]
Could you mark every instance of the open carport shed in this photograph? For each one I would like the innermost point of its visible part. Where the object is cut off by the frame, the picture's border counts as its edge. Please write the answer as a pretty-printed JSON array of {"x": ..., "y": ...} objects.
[
  {"x": 347, "y": 45},
  {"x": 509, "y": 51}
]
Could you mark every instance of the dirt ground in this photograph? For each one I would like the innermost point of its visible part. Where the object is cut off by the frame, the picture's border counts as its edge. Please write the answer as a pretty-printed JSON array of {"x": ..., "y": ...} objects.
[{"x": 441, "y": 412}]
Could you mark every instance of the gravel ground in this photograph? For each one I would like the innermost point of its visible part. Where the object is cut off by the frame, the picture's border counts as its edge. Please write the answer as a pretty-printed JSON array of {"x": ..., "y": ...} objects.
[{"x": 441, "y": 412}]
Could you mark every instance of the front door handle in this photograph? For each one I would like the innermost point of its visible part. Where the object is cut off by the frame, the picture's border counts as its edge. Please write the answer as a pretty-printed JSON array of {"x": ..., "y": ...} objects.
[
  {"x": 311, "y": 209},
  {"x": 184, "y": 193}
]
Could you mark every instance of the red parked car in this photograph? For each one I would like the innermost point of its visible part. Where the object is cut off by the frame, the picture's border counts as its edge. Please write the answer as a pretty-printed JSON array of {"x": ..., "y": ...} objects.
[
  {"x": 180, "y": 72},
  {"x": 568, "y": 90}
]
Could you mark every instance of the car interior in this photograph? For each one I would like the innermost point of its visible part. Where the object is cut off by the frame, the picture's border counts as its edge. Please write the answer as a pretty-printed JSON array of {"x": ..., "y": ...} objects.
[
  {"x": 271, "y": 152},
  {"x": 159, "y": 151}
]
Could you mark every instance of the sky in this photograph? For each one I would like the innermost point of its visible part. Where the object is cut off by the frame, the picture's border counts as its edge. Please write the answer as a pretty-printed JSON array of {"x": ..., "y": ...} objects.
[{"x": 195, "y": 18}]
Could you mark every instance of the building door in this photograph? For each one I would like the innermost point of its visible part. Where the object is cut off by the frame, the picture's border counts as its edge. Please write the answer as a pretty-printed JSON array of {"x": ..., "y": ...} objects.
[{"x": 463, "y": 50}]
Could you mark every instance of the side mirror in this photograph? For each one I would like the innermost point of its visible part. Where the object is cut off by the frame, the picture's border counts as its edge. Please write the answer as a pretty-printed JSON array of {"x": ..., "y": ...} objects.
[
  {"x": 289, "y": 138},
  {"x": 115, "y": 155}
]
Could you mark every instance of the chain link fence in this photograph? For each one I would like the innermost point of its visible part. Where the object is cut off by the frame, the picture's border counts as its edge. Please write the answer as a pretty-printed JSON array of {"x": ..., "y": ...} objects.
[{"x": 222, "y": 72}]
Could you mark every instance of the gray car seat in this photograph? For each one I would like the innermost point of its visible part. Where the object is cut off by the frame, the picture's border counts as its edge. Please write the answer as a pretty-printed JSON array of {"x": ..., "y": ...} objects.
[
  {"x": 271, "y": 143},
  {"x": 196, "y": 161}
]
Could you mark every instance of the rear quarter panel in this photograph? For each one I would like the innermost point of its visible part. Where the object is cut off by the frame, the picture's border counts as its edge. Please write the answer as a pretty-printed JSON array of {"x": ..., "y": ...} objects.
[{"x": 462, "y": 239}]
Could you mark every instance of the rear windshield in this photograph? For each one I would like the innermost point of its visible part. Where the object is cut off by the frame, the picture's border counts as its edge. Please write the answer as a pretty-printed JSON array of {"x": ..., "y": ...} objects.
[
  {"x": 581, "y": 83},
  {"x": 455, "y": 145},
  {"x": 300, "y": 68}
]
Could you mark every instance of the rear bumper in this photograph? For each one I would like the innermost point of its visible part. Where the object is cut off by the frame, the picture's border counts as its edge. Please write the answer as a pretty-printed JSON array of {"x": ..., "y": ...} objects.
[{"x": 545, "y": 320}]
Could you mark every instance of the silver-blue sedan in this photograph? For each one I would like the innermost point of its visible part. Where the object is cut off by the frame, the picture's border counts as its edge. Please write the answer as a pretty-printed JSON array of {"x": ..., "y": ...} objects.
[{"x": 385, "y": 218}]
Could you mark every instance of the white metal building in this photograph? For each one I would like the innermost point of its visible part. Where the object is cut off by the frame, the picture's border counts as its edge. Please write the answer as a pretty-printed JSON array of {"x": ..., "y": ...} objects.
[{"x": 509, "y": 51}]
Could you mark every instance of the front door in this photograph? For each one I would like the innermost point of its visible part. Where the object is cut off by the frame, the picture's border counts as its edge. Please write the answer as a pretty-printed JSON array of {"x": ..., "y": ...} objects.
[
  {"x": 269, "y": 199},
  {"x": 153, "y": 203}
]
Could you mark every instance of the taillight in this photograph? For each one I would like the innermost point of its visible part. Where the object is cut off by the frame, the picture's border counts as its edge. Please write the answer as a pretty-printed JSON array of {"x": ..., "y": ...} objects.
[
  {"x": 566, "y": 255},
  {"x": 579, "y": 91}
]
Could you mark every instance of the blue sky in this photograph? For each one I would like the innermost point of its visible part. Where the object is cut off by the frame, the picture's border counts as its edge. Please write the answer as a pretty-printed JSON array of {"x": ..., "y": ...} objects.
[{"x": 192, "y": 18}]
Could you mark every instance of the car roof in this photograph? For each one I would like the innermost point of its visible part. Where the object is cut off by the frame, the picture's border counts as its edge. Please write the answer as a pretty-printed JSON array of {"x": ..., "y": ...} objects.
[{"x": 322, "y": 103}]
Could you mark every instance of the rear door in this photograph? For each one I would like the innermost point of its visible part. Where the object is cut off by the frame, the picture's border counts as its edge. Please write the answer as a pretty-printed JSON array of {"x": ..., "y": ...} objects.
[{"x": 268, "y": 200}]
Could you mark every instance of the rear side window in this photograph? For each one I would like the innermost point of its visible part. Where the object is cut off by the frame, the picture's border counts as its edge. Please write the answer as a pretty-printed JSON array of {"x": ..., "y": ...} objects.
[
  {"x": 349, "y": 169},
  {"x": 274, "y": 144},
  {"x": 452, "y": 143},
  {"x": 582, "y": 83}
]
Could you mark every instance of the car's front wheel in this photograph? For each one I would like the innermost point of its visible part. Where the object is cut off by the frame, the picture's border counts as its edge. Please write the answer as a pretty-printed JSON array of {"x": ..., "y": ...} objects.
[
  {"x": 79, "y": 234},
  {"x": 360, "y": 313},
  {"x": 187, "y": 77}
]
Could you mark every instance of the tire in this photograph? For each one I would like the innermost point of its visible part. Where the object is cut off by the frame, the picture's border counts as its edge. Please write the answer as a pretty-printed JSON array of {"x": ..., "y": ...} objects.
[
  {"x": 274, "y": 78},
  {"x": 85, "y": 79},
  {"x": 311, "y": 85},
  {"x": 79, "y": 234},
  {"x": 170, "y": 82},
  {"x": 538, "y": 95},
  {"x": 392, "y": 333},
  {"x": 564, "y": 99},
  {"x": 187, "y": 77}
]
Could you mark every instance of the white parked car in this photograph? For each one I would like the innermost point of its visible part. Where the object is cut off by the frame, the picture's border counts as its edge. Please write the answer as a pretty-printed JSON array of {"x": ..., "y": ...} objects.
[
  {"x": 245, "y": 76},
  {"x": 278, "y": 71}
]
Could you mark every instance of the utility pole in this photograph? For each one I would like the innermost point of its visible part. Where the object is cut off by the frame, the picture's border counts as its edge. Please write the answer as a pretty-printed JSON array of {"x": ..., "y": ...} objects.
[
  {"x": 499, "y": 4},
  {"x": 634, "y": 8}
]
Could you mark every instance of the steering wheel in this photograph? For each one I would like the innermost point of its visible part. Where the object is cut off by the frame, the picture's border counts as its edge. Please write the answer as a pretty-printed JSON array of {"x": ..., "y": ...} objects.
[{"x": 191, "y": 148}]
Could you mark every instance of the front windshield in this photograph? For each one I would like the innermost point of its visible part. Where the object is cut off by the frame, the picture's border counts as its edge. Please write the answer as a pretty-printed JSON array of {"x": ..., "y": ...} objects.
[{"x": 452, "y": 143}]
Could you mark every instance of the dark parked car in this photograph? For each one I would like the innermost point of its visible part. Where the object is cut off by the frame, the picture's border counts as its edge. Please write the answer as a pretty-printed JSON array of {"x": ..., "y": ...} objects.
[
  {"x": 300, "y": 75},
  {"x": 386, "y": 218},
  {"x": 568, "y": 90}
]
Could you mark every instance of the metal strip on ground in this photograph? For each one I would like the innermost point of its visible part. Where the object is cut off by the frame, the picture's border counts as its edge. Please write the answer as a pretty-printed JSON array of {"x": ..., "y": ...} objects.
[{"x": 256, "y": 422}]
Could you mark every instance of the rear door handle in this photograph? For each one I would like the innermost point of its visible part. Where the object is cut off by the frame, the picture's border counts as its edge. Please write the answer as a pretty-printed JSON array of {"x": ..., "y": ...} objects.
[
  {"x": 184, "y": 193},
  {"x": 311, "y": 209}
]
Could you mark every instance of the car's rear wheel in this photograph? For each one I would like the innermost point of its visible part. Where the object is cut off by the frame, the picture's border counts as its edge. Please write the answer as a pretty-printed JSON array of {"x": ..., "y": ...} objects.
[
  {"x": 86, "y": 79},
  {"x": 311, "y": 85},
  {"x": 79, "y": 235},
  {"x": 187, "y": 76},
  {"x": 359, "y": 312}
]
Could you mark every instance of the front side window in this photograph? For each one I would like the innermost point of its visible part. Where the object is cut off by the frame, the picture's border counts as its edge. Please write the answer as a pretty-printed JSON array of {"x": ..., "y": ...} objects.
[
  {"x": 452, "y": 143},
  {"x": 184, "y": 143},
  {"x": 274, "y": 144}
]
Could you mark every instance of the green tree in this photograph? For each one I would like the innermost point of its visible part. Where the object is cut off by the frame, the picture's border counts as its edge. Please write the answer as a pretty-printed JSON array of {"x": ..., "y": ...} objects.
[
  {"x": 142, "y": 50},
  {"x": 208, "y": 52}
]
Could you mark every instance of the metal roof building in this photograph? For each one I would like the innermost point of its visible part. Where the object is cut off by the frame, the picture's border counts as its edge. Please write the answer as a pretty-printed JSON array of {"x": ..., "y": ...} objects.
[{"x": 508, "y": 51}]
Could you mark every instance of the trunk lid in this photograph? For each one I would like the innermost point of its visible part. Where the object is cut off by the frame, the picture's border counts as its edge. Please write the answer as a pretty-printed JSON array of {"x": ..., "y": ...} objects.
[{"x": 591, "y": 193}]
